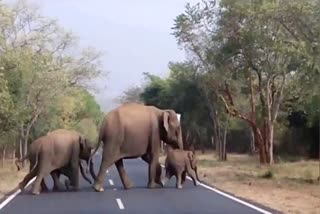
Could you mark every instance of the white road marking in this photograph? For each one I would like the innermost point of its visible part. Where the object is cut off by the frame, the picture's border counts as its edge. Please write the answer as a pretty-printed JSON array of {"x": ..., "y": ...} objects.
[
  {"x": 114, "y": 188},
  {"x": 5, "y": 202},
  {"x": 111, "y": 182},
  {"x": 231, "y": 197},
  {"x": 120, "y": 204}
]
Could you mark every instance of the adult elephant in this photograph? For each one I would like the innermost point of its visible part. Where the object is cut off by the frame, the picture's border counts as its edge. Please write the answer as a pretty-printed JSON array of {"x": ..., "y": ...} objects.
[
  {"x": 58, "y": 152},
  {"x": 135, "y": 130}
]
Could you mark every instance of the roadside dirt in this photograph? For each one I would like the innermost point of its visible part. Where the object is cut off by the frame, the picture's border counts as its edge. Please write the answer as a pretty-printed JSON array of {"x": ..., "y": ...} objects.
[
  {"x": 287, "y": 187},
  {"x": 10, "y": 177}
]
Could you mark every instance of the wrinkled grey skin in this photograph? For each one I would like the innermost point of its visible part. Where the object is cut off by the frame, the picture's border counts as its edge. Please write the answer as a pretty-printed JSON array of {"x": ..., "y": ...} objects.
[
  {"x": 55, "y": 153},
  {"x": 135, "y": 130},
  {"x": 178, "y": 163}
]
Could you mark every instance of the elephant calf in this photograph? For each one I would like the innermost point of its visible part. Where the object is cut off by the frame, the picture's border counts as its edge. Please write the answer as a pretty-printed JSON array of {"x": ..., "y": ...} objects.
[
  {"x": 59, "y": 152},
  {"x": 179, "y": 162}
]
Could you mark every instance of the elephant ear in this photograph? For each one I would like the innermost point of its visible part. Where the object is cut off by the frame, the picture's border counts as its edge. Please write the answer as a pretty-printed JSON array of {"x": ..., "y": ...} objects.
[{"x": 166, "y": 120}]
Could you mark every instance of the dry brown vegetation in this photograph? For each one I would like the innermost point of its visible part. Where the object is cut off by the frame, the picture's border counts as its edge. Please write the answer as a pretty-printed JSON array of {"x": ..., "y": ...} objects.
[
  {"x": 10, "y": 177},
  {"x": 290, "y": 187}
]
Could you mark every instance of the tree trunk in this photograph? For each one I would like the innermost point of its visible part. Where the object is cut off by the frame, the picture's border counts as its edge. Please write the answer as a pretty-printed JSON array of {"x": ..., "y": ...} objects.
[
  {"x": 212, "y": 142},
  {"x": 3, "y": 155},
  {"x": 26, "y": 139},
  {"x": 270, "y": 142},
  {"x": 252, "y": 144},
  {"x": 259, "y": 141},
  {"x": 216, "y": 138},
  {"x": 20, "y": 148},
  {"x": 25, "y": 150},
  {"x": 14, "y": 155},
  {"x": 224, "y": 151}
]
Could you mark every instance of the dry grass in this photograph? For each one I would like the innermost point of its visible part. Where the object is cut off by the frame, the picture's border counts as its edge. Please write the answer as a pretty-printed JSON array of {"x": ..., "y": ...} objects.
[
  {"x": 288, "y": 187},
  {"x": 10, "y": 177}
]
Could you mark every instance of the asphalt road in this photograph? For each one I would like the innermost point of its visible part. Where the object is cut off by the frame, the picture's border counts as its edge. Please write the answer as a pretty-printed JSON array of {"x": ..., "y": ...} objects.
[{"x": 138, "y": 200}]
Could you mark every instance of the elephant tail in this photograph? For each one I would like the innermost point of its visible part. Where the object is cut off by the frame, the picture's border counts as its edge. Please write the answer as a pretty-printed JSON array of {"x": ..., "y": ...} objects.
[
  {"x": 19, "y": 161},
  {"x": 37, "y": 159}
]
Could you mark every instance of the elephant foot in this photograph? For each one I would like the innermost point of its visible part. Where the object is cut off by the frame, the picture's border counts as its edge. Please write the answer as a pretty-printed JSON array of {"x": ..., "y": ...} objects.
[
  {"x": 98, "y": 188},
  {"x": 153, "y": 185},
  {"x": 35, "y": 192},
  {"x": 160, "y": 184},
  {"x": 44, "y": 190},
  {"x": 58, "y": 187},
  {"x": 164, "y": 181},
  {"x": 67, "y": 184},
  {"x": 128, "y": 185},
  {"x": 21, "y": 186}
]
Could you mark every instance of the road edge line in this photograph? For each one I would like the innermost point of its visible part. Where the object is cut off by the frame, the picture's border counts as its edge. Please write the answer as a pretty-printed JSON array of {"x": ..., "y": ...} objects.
[
  {"x": 230, "y": 197},
  {"x": 13, "y": 195},
  {"x": 120, "y": 204}
]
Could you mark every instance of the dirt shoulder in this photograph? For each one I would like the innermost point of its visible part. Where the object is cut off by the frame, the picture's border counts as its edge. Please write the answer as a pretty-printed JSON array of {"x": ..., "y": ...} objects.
[
  {"x": 10, "y": 177},
  {"x": 290, "y": 187}
]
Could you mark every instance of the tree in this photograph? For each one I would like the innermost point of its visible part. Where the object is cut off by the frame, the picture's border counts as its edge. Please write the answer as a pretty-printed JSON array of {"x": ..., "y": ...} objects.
[
  {"x": 40, "y": 61},
  {"x": 251, "y": 48},
  {"x": 131, "y": 95}
]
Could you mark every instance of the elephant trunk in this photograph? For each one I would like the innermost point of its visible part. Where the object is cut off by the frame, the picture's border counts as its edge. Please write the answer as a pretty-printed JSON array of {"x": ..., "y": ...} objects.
[
  {"x": 180, "y": 140},
  {"x": 101, "y": 132},
  {"x": 83, "y": 174}
]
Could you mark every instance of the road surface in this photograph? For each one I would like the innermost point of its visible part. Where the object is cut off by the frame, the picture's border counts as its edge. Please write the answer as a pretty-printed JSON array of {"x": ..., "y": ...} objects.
[{"x": 201, "y": 199}]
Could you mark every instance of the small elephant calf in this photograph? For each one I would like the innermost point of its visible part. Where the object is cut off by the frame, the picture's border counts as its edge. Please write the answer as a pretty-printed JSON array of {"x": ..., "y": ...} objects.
[{"x": 179, "y": 162}]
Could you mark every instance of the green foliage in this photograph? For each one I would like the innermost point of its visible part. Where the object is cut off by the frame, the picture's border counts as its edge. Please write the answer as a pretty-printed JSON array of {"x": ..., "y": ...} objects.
[
  {"x": 44, "y": 76},
  {"x": 6, "y": 105},
  {"x": 268, "y": 47},
  {"x": 131, "y": 95}
]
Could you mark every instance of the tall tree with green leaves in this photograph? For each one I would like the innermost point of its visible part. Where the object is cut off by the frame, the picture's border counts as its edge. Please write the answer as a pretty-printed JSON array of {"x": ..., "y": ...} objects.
[{"x": 255, "y": 48}]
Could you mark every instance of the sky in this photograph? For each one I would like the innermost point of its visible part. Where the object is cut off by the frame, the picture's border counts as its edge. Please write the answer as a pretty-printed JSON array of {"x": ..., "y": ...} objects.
[{"x": 134, "y": 36}]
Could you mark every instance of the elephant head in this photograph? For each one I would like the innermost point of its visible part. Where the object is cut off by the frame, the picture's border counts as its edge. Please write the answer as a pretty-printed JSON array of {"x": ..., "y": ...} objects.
[
  {"x": 85, "y": 153},
  {"x": 172, "y": 129}
]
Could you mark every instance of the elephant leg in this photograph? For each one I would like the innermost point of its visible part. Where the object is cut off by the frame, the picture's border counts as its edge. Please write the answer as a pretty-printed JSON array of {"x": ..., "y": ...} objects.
[
  {"x": 27, "y": 178},
  {"x": 57, "y": 185},
  {"x": 154, "y": 158},
  {"x": 196, "y": 171},
  {"x": 153, "y": 172},
  {"x": 192, "y": 174},
  {"x": 123, "y": 175},
  {"x": 36, "y": 186},
  {"x": 44, "y": 186},
  {"x": 183, "y": 176},
  {"x": 178, "y": 184},
  {"x": 167, "y": 176},
  {"x": 146, "y": 158},
  {"x": 108, "y": 158},
  {"x": 74, "y": 178}
]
